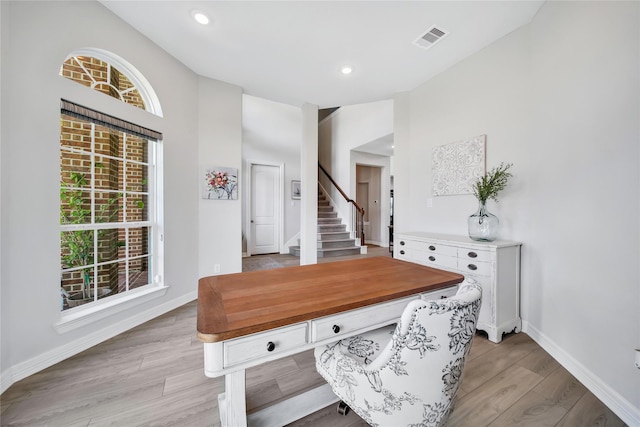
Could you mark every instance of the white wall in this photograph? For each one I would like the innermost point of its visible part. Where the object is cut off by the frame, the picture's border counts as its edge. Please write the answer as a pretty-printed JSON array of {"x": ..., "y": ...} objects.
[
  {"x": 272, "y": 133},
  {"x": 347, "y": 128},
  {"x": 592, "y": 84},
  {"x": 220, "y": 144},
  {"x": 4, "y": 302},
  {"x": 36, "y": 38},
  {"x": 309, "y": 185},
  {"x": 560, "y": 101}
]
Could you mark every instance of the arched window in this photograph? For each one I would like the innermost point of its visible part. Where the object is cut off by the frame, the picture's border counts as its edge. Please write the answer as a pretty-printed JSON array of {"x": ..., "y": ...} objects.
[
  {"x": 110, "y": 242},
  {"x": 109, "y": 74}
]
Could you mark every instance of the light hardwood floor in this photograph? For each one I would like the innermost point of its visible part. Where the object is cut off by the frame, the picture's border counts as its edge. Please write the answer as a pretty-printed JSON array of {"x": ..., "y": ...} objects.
[{"x": 153, "y": 375}]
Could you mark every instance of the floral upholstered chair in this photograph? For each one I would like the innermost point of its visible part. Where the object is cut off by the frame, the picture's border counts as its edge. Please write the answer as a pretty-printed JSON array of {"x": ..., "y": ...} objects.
[{"x": 407, "y": 374}]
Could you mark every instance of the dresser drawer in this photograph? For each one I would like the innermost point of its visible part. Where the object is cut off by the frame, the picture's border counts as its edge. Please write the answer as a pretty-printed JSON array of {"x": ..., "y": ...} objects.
[
  {"x": 403, "y": 253},
  {"x": 401, "y": 250},
  {"x": 474, "y": 268},
  {"x": 474, "y": 255},
  {"x": 435, "y": 248},
  {"x": 403, "y": 243},
  {"x": 264, "y": 344},
  {"x": 351, "y": 321},
  {"x": 436, "y": 260}
]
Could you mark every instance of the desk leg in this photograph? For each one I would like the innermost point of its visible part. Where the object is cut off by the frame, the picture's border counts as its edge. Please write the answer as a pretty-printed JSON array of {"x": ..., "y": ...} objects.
[
  {"x": 294, "y": 408},
  {"x": 232, "y": 403}
]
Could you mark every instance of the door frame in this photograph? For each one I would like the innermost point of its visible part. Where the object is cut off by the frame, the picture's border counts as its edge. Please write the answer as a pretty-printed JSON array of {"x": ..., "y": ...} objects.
[
  {"x": 384, "y": 208},
  {"x": 249, "y": 201}
]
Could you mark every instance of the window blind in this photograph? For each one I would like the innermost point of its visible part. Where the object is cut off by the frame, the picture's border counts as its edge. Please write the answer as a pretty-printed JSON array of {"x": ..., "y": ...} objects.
[{"x": 81, "y": 112}]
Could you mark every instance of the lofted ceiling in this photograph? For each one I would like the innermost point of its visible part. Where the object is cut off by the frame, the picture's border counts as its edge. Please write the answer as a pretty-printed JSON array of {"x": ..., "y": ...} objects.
[{"x": 293, "y": 51}]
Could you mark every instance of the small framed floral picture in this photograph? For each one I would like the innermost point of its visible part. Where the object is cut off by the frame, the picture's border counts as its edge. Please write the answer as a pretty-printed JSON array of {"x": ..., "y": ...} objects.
[
  {"x": 295, "y": 190},
  {"x": 220, "y": 183}
]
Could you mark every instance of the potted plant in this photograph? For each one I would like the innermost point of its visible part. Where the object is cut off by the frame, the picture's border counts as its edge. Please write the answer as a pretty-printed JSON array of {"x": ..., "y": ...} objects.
[{"x": 483, "y": 225}]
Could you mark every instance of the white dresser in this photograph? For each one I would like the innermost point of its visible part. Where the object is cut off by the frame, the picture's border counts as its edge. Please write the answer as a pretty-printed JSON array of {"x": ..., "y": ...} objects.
[{"x": 495, "y": 265}]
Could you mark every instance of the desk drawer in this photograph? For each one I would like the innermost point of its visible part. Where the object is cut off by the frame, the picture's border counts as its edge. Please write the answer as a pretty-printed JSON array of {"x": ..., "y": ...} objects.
[
  {"x": 440, "y": 293},
  {"x": 341, "y": 324},
  {"x": 264, "y": 344}
]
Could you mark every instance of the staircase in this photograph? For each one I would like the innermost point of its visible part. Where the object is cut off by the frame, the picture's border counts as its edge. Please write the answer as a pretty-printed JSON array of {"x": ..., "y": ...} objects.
[{"x": 333, "y": 237}]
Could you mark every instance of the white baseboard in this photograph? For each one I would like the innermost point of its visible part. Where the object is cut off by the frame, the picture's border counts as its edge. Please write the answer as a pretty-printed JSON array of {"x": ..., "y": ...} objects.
[
  {"x": 5, "y": 380},
  {"x": 35, "y": 364},
  {"x": 623, "y": 408}
]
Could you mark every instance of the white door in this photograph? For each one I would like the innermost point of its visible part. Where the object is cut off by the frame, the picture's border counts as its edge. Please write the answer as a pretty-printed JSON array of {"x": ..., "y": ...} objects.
[{"x": 265, "y": 212}]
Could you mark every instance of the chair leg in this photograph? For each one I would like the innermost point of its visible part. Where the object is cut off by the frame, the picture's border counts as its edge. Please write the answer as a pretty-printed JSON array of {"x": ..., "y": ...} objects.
[{"x": 343, "y": 408}]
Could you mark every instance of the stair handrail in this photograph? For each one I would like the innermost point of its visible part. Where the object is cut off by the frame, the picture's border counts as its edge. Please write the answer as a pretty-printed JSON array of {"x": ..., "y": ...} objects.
[{"x": 358, "y": 211}]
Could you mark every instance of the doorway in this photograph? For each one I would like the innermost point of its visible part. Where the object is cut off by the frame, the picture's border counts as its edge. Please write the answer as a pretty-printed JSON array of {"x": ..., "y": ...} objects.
[
  {"x": 265, "y": 211},
  {"x": 368, "y": 196}
]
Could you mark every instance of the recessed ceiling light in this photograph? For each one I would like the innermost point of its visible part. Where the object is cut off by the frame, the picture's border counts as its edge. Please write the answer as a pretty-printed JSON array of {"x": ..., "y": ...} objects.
[
  {"x": 346, "y": 70},
  {"x": 200, "y": 17}
]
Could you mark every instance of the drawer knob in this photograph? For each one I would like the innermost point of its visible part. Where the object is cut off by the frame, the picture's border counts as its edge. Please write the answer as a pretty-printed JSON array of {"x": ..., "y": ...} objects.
[
  {"x": 271, "y": 346},
  {"x": 432, "y": 248},
  {"x": 336, "y": 329},
  {"x": 402, "y": 243},
  {"x": 432, "y": 258},
  {"x": 472, "y": 267},
  {"x": 401, "y": 252},
  {"x": 472, "y": 254}
]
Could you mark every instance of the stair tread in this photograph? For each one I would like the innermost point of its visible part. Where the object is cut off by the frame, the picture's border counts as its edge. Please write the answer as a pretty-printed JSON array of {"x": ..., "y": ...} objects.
[
  {"x": 331, "y": 231},
  {"x": 336, "y": 249}
]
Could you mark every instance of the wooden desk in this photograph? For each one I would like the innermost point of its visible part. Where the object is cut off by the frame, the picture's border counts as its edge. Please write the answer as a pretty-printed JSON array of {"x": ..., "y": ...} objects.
[{"x": 246, "y": 319}]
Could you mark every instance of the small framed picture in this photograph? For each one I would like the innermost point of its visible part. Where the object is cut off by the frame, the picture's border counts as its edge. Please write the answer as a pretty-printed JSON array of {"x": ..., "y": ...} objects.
[
  {"x": 220, "y": 183},
  {"x": 295, "y": 190}
]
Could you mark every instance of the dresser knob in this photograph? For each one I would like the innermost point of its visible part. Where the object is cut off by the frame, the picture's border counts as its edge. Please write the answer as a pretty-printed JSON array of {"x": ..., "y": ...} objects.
[
  {"x": 472, "y": 267},
  {"x": 432, "y": 248},
  {"x": 401, "y": 242},
  {"x": 472, "y": 255},
  {"x": 432, "y": 258},
  {"x": 401, "y": 252},
  {"x": 336, "y": 329},
  {"x": 271, "y": 346}
]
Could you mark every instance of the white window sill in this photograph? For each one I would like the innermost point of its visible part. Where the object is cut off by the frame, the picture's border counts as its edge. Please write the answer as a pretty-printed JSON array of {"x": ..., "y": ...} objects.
[{"x": 77, "y": 317}]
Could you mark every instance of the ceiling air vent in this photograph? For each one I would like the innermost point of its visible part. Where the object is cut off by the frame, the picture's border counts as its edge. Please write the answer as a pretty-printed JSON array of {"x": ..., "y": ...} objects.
[{"x": 431, "y": 37}]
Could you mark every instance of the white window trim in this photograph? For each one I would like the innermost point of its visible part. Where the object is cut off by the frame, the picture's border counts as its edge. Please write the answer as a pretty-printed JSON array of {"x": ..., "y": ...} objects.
[
  {"x": 149, "y": 97},
  {"x": 154, "y": 209},
  {"x": 77, "y": 317}
]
